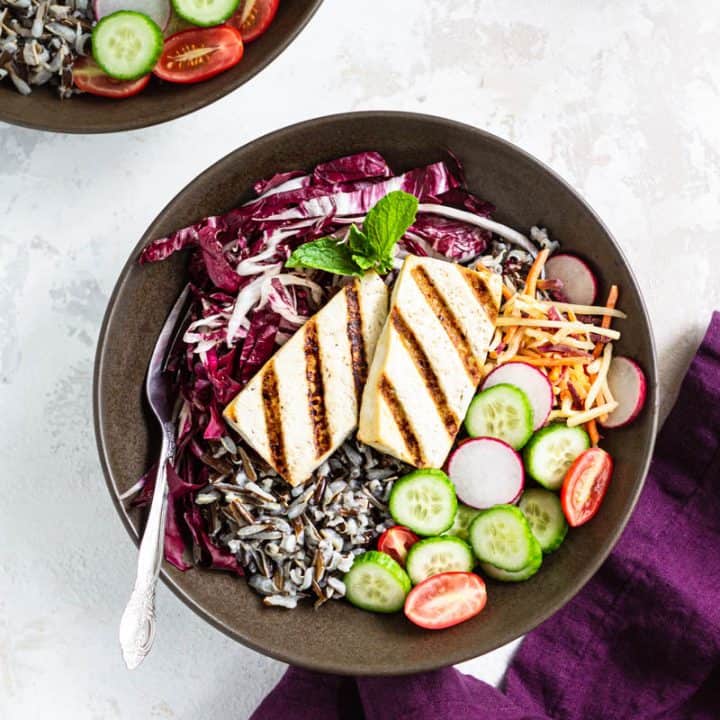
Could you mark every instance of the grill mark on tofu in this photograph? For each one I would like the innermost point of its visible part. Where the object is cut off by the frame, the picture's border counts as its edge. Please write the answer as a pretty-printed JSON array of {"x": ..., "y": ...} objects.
[
  {"x": 422, "y": 363},
  {"x": 482, "y": 292},
  {"x": 450, "y": 323},
  {"x": 316, "y": 390},
  {"x": 397, "y": 410},
  {"x": 273, "y": 419},
  {"x": 358, "y": 357}
]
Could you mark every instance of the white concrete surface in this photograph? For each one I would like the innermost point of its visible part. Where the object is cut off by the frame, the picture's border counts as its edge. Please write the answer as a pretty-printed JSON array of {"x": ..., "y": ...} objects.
[{"x": 621, "y": 98}]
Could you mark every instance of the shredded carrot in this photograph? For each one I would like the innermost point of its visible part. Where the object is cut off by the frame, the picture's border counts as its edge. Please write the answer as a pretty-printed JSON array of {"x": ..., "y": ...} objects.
[
  {"x": 510, "y": 334},
  {"x": 611, "y": 302},
  {"x": 545, "y": 284},
  {"x": 506, "y": 292},
  {"x": 534, "y": 272},
  {"x": 592, "y": 431},
  {"x": 555, "y": 362}
]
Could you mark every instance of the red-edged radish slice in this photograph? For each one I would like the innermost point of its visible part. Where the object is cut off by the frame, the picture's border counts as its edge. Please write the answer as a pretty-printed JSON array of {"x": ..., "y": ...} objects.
[
  {"x": 157, "y": 10},
  {"x": 579, "y": 283},
  {"x": 628, "y": 386},
  {"x": 531, "y": 381},
  {"x": 486, "y": 472}
]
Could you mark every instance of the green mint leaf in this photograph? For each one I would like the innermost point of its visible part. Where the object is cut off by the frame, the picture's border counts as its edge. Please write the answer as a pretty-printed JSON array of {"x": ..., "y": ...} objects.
[
  {"x": 388, "y": 221},
  {"x": 358, "y": 242},
  {"x": 364, "y": 262},
  {"x": 325, "y": 254}
]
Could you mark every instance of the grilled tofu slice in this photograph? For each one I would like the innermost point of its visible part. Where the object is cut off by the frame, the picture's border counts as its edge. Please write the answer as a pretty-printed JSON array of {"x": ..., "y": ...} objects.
[
  {"x": 304, "y": 402},
  {"x": 429, "y": 359}
]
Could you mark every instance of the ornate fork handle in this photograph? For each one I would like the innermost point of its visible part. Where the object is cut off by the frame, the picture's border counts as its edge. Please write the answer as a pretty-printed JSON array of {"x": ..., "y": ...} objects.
[{"x": 137, "y": 626}]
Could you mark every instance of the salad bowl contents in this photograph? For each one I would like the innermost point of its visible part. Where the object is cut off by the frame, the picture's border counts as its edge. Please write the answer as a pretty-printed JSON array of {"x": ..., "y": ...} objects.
[
  {"x": 384, "y": 397},
  {"x": 117, "y": 49},
  {"x": 345, "y": 330}
]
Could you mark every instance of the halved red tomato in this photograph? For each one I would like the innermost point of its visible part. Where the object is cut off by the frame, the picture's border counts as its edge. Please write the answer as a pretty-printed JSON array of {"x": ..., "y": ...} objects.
[
  {"x": 197, "y": 54},
  {"x": 253, "y": 17},
  {"x": 396, "y": 541},
  {"x": 585, "y": 485},
  {"x": 445, "y": 600},
  {"x": 91, "y": 79}
]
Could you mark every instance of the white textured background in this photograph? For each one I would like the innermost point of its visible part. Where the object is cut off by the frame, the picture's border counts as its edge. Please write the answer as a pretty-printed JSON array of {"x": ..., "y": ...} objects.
[{"x": 621, "y": 98}]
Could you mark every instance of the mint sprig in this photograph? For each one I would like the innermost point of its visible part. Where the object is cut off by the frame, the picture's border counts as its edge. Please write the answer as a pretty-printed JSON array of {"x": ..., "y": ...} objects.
[{"x": 371, "y": 248}]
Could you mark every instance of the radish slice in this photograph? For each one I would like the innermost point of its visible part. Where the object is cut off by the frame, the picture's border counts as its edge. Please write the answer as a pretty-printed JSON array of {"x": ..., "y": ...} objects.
[
  {"x": 531, "y": 381},
  {"x": 628, "y": 386},
  {"x": 579, "y": 283},
  {"x": 486, "y": 472},
  {"x": 157, "y": 10}
]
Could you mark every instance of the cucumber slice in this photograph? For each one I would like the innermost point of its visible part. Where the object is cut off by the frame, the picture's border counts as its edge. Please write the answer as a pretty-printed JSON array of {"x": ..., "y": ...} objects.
[
  {"x": 502, "y": 537},
  {"x": 205, "y": 12},
  {"x": 424, "y": 501},
  {"x": 511, "y": 576},
  {"x": 127, "y": 44},
  {"x": 436, "y": 555},
  {"x": 502, "y": 411},
  {"x": 376, "y": 583},
  {"x": 545, "y": 516},
  {"x": 551, "y": 452},
  {"x": 463, "y": 517}
]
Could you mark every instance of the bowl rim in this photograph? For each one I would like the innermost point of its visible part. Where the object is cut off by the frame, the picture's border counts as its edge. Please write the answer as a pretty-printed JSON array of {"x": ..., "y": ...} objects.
[
  {"x": 289, "y": 655},
  {"x": 161, "y": 115}
]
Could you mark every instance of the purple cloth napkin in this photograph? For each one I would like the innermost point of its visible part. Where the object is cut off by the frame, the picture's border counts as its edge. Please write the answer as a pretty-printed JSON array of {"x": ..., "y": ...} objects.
[{"x": 642, "y": 639}]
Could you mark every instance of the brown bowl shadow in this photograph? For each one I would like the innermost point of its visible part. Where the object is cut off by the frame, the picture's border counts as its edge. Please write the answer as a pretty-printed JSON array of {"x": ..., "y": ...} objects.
[{"x": 338, "y": 638}]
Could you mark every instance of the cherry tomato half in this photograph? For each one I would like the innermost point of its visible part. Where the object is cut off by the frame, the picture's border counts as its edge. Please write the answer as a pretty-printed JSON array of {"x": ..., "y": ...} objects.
[
  {"x": 253, "y": 17},
  {"x": 445, "y": 600},
  {"x": 195, "y": 55},
  {"x": 396, "y": 541},
  {"x": 585, "y": 486},
  {"x": 91, "y": 79}
]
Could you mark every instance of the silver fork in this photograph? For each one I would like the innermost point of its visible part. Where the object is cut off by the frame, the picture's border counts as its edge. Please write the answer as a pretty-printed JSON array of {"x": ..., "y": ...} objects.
[{"x": 137, "y": 626}]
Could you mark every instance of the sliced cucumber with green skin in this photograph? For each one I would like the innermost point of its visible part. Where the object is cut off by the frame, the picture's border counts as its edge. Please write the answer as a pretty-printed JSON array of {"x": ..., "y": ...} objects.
[
  {"x": 463, "y": 517},
  {"x": 436, "y": 555},
  {"x": 126, "y": 44},
  {"x": 551, "y": 452},
  {"x": 544, "y": 514},
  {"x": 376, "y": 583},
  {"x": 502, "y": 537},
  {"x": 509, "y": 575},
  {"x": 502, "y": 411},
  {"x": 205, "y": 13},
  {"x": 424, "y": 501}
]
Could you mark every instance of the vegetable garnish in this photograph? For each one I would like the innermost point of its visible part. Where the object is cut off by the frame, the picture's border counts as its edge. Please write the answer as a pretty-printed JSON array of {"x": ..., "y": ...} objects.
[
  {"x": 551, "y": 379},
  {"x": 373, "y": 247},
  {"x": 198, "y": 54}
]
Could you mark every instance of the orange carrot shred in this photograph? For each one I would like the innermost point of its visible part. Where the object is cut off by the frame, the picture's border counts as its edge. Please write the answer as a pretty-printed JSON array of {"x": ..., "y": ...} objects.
[
  {"x": 592, "y": 431},
  {"x": 534, "y": 272},
  {"x": 506, "y": 292},
  {"x": 555, "y": 362},
  {"x": 610, "y": 304}
]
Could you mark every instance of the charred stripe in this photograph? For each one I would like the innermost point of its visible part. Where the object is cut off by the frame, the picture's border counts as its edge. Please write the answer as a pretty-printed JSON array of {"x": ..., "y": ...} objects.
[
  {"x": 450, "y": 323},
  {"x": 316, "y": 390},
  {"x": 358, "y": 358},
  {"x": 397, "y": 410},
  {"x": 481, "y": 291},
  {"x": 422, "y": 363},
  {"x": 273, "y": 419}
]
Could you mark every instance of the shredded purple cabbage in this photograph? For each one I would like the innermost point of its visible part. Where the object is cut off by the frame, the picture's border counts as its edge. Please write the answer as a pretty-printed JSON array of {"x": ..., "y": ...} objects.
[{"x": 245, "y": 304}]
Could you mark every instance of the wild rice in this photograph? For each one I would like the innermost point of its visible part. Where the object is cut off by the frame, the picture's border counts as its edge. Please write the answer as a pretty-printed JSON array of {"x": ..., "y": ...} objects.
[
  {"x": 299, "y": 542},
  {"x": 40, "y": 41}
]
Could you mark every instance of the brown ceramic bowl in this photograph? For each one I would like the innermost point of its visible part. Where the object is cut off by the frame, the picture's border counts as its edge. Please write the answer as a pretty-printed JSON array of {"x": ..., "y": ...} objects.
[
  {"x": 339, "y": 638},
  {"x": 159, "y": 102}
]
